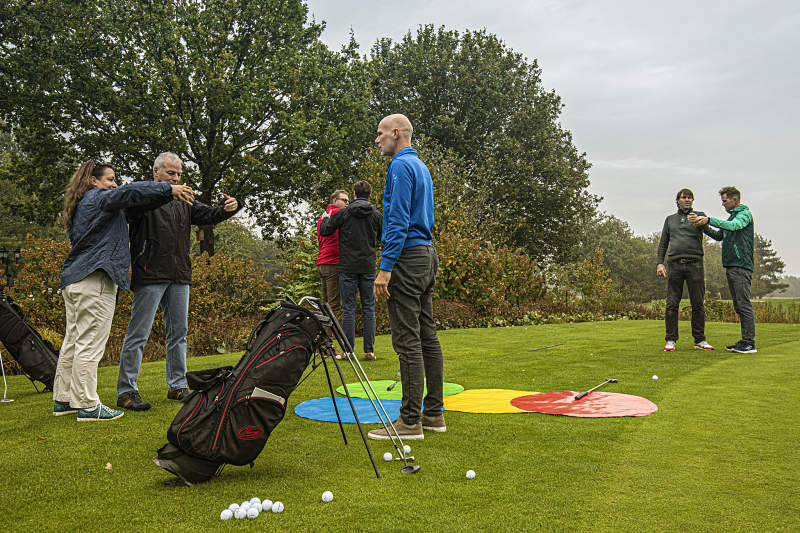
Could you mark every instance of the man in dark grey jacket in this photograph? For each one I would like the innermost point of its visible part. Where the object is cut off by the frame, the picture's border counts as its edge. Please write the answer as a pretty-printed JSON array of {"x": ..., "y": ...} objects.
[
  {"x": 359, "y": 226},
  {"x": 162, "y": 272},
  {"x": 685, "y": 261}
]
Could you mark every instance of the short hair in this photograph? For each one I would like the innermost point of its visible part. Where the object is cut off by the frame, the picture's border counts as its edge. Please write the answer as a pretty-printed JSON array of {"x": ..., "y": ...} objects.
[
  {"x": 730, "y": 192},
  {"x": 683, "y": 192},
  {"x": 164, "y": 156},
  {"x": 335, "y": 195},
  {"x": 362, "y": 189}
]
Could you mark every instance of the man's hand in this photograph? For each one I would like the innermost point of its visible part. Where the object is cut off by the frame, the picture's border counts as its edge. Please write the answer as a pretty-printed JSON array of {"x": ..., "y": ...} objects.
[
  {"x": 381, "y": 288},
  {"x": 183, "y": 193},
  {"x": 230, "y": 203},
  {"x": 661, "y": 271},
  {"x": 696, "y": 220}
]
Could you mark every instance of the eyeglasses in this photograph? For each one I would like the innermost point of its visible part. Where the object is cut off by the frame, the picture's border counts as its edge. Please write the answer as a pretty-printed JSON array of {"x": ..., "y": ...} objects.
[{"x": 345, "y": 200}]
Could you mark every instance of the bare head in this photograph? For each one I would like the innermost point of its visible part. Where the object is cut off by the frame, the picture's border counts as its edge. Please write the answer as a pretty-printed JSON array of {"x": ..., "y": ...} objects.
[
  {"x": 731, "y": 197},
  {"x": 684, "y": 199},
  {"x": 167, "y": 167},
  {"x": 394, "y": 134}
]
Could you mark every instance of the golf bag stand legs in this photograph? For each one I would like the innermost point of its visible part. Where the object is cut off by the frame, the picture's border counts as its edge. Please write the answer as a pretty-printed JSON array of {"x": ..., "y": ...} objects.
[{"x": 5, "y": 387}]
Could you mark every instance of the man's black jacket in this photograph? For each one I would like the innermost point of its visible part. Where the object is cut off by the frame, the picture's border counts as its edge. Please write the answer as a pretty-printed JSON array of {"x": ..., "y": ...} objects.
[
  {"x": 359, "y": 226},
  {"x": 160, "y": 240}
]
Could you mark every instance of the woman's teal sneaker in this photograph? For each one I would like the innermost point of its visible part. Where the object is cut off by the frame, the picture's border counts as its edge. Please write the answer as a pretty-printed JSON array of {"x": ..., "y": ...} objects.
[{"x": 99, "y": 413}]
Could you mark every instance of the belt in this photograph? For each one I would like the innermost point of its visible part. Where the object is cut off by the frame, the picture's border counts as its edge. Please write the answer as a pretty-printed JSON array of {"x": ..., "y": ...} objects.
[{"x": 685, "y": 260}]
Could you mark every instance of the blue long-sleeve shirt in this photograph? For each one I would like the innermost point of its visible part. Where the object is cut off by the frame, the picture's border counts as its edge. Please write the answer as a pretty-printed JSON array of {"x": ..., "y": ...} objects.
[{"x": 407, "y": 206}]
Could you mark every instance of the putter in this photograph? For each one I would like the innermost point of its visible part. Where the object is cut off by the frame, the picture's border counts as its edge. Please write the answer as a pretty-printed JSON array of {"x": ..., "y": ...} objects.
[
  {"x": 390, "y": 387},
  {"x": 545, "y": 347},
  {"x": 581, "y": 395}
]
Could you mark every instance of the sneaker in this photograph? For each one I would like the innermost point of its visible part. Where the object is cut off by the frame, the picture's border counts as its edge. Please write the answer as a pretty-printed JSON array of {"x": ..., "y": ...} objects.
[
  {"x": 178, "y": 395},
  {"x": 703, "y": 345},
  {"x": 341, "y": 356},
  {"x": 670, "y": 346},
  {"x": 435, "y": 423},
  {"x": 132, "y": 400},
  {"x": 99, "y": 414},
  {"x": 405, "y": 432},
  {"x": 369, "y": 356},
  {"x": 63, "y": 408},
  {"x": 744, "y": 347},
  {"x": 732, "y": 346}
]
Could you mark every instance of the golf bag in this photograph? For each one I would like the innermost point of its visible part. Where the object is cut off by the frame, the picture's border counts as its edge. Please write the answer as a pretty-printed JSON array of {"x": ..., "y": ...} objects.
[
  {"x": 232, "y": 411},
  {"x": 35, "y": 355}
]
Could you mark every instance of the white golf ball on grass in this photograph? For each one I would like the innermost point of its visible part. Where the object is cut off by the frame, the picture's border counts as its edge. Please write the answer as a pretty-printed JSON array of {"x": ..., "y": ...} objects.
[
  {"x": 226, "y": 514},
  {"x": 240, "y": 513},
  {"x": 252, "y": 512},
  {"x": 266, "y": 505},
  {"x": 277, "y": 507},
  {"x": 655, "y": 377},
  {"x": 233, "y": 506},
  {"x": 387, "y": 456},
  {"x": 255, "y": 502},
  {"x": 406, "y": 448},
  {"x": 470, "y": 474},
  {"x": 327, "y": 496},
  {"x": 245, "y": 505}
]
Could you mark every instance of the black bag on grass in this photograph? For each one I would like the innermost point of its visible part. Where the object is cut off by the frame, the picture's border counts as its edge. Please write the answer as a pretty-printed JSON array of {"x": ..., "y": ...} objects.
[
  {"x": 232, "y": 411},
  {"x": 35, "y": 355}
]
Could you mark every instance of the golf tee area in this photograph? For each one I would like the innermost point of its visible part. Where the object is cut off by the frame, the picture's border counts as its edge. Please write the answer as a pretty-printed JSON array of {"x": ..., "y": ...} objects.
[{"x": 720, "y": 453}]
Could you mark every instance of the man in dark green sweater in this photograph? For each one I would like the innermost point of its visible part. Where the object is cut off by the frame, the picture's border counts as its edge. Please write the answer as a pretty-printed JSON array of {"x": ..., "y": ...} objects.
[
  {"x": 684, "y": 263},
  {"x": 737, "y": 236}
]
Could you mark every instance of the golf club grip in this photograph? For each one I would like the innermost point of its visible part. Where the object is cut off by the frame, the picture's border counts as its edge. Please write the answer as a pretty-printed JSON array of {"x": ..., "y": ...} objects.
[{"x": 581, "y": 395}]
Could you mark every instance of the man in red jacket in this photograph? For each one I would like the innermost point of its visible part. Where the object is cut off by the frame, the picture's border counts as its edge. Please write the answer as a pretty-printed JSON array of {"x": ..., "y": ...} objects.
[{"x": 328, "y": 255}]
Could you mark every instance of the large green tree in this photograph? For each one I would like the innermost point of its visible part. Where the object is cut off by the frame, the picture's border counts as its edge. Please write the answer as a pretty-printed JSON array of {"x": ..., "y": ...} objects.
[
  {"x": 524, "y": 179},
  {"x": 243, "y": 90}
]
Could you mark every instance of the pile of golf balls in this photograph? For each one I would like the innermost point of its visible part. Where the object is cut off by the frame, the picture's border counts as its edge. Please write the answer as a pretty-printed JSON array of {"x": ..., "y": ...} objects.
[
  {"x": 250, "y": 509},
  {"x": 327, "y": 496},
  {"x": 470, "y": 474}
]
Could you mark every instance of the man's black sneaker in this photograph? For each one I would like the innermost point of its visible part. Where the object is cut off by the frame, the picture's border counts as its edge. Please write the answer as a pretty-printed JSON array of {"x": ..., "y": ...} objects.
[
  {"x": 744, "y": 347},
  {"x": 132, "y": 400},
  {"x": 179, "y": 395}
]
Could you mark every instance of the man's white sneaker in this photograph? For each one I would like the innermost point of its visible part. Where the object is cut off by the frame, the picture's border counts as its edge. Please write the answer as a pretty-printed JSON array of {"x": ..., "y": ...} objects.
[
  {"x": 703, "y": 345},
  {"x": 670, "y": 346}
]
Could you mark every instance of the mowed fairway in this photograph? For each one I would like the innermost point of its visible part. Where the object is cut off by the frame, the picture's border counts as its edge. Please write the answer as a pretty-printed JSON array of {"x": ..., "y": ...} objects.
[{"x": 721, "y": 454}]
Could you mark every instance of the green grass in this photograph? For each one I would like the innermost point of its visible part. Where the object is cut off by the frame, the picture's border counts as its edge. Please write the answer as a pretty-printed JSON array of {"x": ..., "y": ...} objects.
[{"x": 720, "y": 454}]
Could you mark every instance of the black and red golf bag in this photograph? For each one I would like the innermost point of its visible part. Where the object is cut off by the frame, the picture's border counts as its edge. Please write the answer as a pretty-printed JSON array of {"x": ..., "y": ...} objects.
[
  {"x": 232, "y": 411},
  {"x": 35, "y": 355}
]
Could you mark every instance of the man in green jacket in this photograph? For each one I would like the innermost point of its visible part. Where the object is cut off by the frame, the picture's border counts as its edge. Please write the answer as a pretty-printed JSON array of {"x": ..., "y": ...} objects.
[
  {"x": 685, "y": 261},
  {"x": 737, "y": 236}
]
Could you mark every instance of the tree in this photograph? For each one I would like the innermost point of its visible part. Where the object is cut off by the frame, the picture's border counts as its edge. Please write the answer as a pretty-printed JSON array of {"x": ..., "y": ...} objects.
[
  {"x": 242, "y": 90},
  {"x": 767, "y": 268},
  {"x": 523, "y": 177}
]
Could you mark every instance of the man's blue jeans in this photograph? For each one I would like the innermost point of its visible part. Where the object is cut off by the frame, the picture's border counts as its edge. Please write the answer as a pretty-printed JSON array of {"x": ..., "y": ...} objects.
[
  {"x": 174, "y": 300},
  {"x": 363, "y": 283}
]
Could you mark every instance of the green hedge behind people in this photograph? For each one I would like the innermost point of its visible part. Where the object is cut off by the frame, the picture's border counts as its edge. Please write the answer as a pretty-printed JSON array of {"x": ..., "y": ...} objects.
[
  {"x": 162, "y": 272},
  {"x": 738, "y": 236},
  {"x": 682, "y": 244},
  {"x": 95, "y": 267}
]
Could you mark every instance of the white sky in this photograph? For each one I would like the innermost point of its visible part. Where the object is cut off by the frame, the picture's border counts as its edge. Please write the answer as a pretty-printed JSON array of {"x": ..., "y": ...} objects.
[{"x": 660, "y": 96}]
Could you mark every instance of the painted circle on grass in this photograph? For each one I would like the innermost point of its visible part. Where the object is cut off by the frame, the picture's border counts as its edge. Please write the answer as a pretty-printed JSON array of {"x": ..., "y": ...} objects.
[
  {"x": 485, "y": 401},
  {"x": 322, "y": 409},
  {"x": 380, "y": 386},
  {"x": 593, "y": 405}
]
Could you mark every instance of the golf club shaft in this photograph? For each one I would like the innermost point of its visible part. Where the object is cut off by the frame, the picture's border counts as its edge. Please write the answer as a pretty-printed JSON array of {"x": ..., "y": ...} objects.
[{"x": 581, "y": 395}]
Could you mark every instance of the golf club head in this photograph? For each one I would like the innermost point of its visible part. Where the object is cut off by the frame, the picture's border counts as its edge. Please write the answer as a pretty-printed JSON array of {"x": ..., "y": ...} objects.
[
  {"x": 613, "y": 381},
  {"x": 410, "y": 469}
]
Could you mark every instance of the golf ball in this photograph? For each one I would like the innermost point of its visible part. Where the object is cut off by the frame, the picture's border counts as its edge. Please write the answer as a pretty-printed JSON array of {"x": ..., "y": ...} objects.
[
  {"x": 387, "y": 456},
  {"x": 252, "y": 512},
  {"x": 327, "y": 496},
  {"x": 233, "y": 506},
  {"x": 266, "y": 505},
  {"x": 226, "y": 514},
  {"x": 406, "y": 448},
  {"x": 255, "y": 501},
  {"x": 470, "y": 474},
  {"x": 655, "y": 377},
  {"x": 245, "y": 505},
  {"x": 240, "y": 513},
  {"x": 277, "y": 507}
]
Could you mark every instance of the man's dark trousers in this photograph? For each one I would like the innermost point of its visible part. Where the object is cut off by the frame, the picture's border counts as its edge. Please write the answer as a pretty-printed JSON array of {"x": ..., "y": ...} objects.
[
  {"x": 365, "y": 285},
  {"x": 414, "y": 331},
  {"x": 739, "y": 284},
  {"x": 690, "y": 271}
]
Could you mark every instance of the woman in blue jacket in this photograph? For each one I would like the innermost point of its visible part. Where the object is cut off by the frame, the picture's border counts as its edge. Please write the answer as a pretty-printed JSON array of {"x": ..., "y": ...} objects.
[{"x": 96, "y": 265}]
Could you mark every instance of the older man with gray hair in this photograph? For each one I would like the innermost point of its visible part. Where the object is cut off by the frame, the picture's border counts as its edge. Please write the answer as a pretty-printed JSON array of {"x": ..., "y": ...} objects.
[{"x": 162, "y": 271}]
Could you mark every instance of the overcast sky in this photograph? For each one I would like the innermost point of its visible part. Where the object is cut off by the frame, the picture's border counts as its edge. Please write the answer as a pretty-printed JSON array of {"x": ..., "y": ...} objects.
[{"x": 660, "y": 96}]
